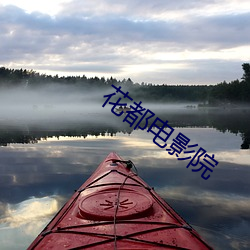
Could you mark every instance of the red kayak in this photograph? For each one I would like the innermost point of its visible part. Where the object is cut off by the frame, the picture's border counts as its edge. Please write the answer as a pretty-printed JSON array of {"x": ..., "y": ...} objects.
[{"x": 116, "y": 209}]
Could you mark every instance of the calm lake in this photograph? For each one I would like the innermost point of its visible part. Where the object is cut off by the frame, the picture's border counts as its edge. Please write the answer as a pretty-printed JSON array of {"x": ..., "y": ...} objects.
[{"x": 46, "y": 154}]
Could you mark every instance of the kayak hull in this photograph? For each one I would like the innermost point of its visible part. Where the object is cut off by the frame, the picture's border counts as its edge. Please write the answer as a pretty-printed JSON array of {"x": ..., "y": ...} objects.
[{"x": 116, "y": 209}]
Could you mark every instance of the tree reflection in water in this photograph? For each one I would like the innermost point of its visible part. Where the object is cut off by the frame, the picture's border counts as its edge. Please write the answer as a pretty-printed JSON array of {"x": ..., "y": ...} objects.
[{"x": 234, "y": 121}]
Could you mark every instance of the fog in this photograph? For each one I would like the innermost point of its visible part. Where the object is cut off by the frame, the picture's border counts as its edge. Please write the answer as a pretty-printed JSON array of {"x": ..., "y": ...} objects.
[
  {"x": 29, "y": 114},
  {"x": 55, "y": 103},
  {"x": 52, "y": 103}
]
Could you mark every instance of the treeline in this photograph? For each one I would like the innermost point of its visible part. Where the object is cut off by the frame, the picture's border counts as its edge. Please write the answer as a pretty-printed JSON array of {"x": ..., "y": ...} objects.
[
  {"x": 237, "y": 91},
  {"x": 234, "y": 92}
]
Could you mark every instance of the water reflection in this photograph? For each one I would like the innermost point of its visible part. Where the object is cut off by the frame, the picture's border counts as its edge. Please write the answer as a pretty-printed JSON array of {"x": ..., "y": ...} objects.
[
  {"x": 21, "y": 221},
  {"x": 50, "y": 170},
  {"x": 235, "y": 121},
  {"x": 33, "y": 209},
  {"x": 44, "y": 162}
]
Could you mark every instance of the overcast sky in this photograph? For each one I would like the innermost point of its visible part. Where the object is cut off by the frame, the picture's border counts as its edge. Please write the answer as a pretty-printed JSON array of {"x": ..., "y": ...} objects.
[{"x": 157, "y": 41}]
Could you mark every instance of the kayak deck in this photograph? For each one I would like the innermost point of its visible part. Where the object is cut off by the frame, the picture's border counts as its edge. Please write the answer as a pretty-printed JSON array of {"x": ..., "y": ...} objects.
[{"x": 116, "y": 209}]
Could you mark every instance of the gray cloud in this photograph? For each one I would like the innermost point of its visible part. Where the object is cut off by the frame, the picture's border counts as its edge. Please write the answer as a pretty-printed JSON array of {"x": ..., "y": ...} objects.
[
  {"x": 225, "y": 29},
  {"x": 132, "y": 8},
  {"x": 107, "y": 40}
]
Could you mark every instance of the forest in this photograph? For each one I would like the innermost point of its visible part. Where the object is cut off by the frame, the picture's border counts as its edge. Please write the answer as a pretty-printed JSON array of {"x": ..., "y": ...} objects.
[{"x": 224, "y": 93}]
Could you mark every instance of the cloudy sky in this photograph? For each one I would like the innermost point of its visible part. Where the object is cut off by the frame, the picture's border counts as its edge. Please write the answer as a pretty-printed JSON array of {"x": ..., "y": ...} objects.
[{"x": 157, "y": 41}]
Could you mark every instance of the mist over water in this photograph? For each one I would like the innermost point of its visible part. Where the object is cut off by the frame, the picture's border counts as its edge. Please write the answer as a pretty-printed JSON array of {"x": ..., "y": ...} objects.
[
  {"x": 52, "y": 103},
  {"x": 61, "y": 104},
  {"x": 59, "y": 109}
]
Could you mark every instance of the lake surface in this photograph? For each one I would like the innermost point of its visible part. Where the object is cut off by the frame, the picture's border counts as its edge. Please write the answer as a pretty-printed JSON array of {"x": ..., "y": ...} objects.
[{"x": 46, "y": 155}]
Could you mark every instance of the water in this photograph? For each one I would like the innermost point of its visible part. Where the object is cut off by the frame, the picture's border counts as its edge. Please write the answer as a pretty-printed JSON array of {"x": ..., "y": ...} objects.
[{"x": 44, "y": 160}]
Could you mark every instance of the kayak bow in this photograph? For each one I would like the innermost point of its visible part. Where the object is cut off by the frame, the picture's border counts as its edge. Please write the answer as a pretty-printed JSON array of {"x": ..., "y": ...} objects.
[{"x": 116, "y": 209}]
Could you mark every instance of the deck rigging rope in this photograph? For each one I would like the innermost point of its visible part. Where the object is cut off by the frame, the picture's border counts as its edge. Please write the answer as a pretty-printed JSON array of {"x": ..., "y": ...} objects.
[{"x": 129, "y": 165}]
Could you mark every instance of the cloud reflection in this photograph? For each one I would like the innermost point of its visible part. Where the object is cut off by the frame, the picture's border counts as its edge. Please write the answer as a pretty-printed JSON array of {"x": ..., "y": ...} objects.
[
  {"x": 22, "y": 222},
  {"x": 235, "y": 156},
  {"x": 220, "y": 204},
  {"x": 229, "y": 203},
  {"x": 29, "y": 211},
  {"x": 213, "y": 209}
]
